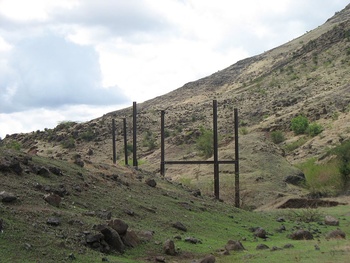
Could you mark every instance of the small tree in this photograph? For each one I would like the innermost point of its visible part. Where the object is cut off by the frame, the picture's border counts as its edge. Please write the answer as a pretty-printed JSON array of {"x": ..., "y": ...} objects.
[
  {"x": 314, "y": 129},
  {"x": 299, "y": 124},
  {"x": 343, "y": 153},
  {"x": 205, "y": 142}
]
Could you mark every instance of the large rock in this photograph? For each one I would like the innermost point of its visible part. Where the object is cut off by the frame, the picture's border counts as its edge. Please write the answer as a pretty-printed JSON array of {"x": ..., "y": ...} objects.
[
  {"x": 7, "y": 197},
  {"x": 113, "y": 239},
  {"x": 169, "y": 248},
  {"x": 180, "y": 226},
  {"x": 295, "y": 179},
  {"x": 260, "y": 232},
  {"x": 10, "y": 165},
  {"x": 301, "y": 235},
  {"x": 118, "y": 225},
  {"x": 208, "y": 259},
  {"x": 336, "y": 234},
  {"x": 331, "y": 221},
  {"x": 53, "y": 199},
  {"x": 151, "y": 182},
  {"x": 234, "y": 245},
  {"x": 130, "y": 239}
]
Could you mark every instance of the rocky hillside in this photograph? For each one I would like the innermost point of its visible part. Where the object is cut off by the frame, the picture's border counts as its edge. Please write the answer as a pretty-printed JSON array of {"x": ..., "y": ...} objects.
[{"x": 306, "y": 76}]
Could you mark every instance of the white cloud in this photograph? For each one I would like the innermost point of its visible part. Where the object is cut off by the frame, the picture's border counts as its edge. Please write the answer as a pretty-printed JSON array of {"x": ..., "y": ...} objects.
[{"x": 73, "y": 52}]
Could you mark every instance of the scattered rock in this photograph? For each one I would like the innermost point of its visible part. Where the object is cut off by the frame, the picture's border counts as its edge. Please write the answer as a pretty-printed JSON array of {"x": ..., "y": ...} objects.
[
  {"x": 301, "y": 235},
  {"x": 262, "y": 247},
  {"x": 151, "y": 182},
  {"x": 331, "y": 221},
  {"x": 79, "y": 162},
  {"x": 53, "y": 199},
  {"x": 280, "y": 219},
  {"x": 169, "y": 247},
  {"x": 130, "y": 239},
  {"x": 1, "y": 225},
  {"x": 10, "y": 165},
  {"x": 7, "y": 197},
  {"x": 295, "y": 179},
  {"x": 234, "y": 245},
  {"x": 192, "y": 240},
  {"x": 197, "y": 193},
  {"x": 146, "y": 236},
  {"x": 44, "y": 172},
  {"x": 113, "y": 239},
  {"x": 53, "y": 221},
  {"x": 288, "y": 246},
  {"x": 336, "y": 234},
  {"x": 56, "y": 171},
  {"x": 208, "y": 259},
  {"x": 104, "y": 214},
  {"x": 274, "y": 248},
  {"x": 180, "y": 226},
  {"x": 260, "y": 232},
  {"x": 118, "y": 225},
  {"x": 160, "y": 259}
]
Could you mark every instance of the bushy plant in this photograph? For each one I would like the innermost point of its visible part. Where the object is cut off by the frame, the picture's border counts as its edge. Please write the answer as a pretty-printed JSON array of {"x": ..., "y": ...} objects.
[
  {"x": 343, "y": 153},
  {"x": 205, "y": 142},
  {"x": 68, "y": 143},
  {"x": 149, "y": 141},
  {"x": 277, "y": 137},
  {"x": 314, "y": 129},
  {"x": 299, "y": 124}
]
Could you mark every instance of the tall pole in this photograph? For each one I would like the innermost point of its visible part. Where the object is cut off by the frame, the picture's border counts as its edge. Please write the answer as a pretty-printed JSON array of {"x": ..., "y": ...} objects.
[
  {"x": 125, "y": 142},
  {"x": 113, "y": 144},
  {"x": 134, "y": 135},
  {"x": 215, "y": 139},
  {"x": 237, "y": 197},
  {"x": 162, "y": 158}
]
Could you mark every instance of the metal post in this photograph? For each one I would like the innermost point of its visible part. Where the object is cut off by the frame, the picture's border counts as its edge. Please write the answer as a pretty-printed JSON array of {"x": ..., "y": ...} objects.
[
  {"x": 113, "y": 144},
  {"x": 237, "y": 197},
  {"x": 125, "y": 142},
  {"x": 215, "y": 138},
  {"x": 134, "y": 135},
  {"x": 162, "y": 158}
]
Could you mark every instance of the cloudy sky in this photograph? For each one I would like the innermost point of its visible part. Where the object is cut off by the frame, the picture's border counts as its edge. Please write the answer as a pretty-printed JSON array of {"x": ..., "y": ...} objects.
[{"x": 79, "y": 59}]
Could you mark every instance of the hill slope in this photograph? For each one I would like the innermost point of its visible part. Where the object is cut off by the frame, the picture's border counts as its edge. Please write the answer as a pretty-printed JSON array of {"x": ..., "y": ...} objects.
[{"x": 306, "y": 76}]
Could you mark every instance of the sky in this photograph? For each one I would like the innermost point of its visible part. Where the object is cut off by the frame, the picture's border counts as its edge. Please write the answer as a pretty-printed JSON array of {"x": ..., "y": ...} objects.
[{"x": 75, "y": 60}]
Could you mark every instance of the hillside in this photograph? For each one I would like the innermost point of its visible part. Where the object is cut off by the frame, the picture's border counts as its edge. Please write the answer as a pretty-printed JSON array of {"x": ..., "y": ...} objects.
[
  {"x": 63, "y": 199},
  {"x": 306, "y": 76}
]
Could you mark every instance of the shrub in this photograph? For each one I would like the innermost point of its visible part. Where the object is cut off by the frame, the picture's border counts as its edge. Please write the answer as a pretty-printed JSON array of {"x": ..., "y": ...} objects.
[
  {"x": 88, "y": 135},
  {"x": 205, "y": 142},
  {"x": 314, "y": 129},
  {"x": 149, "y": 141},
  {"x": 68, "y": 143},
  {"x": 277, "y": 137},
  {"x": 343, "y": 153},
  {"x": 299, "y": 124}
]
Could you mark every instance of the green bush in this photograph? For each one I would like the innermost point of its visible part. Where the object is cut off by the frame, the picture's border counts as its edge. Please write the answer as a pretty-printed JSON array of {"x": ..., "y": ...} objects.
[
  {"x": 149, "y": 141},
  {"x": 205, "y": 142},
  {"x": 89, "y": 135},
  {"x": 68, "y": 143},
  {"x": 343, "y": 153},
  {"x": 314, "y": 129},
  {"x": 299, "y": 124},
  {"x": 277, "y": 137}
]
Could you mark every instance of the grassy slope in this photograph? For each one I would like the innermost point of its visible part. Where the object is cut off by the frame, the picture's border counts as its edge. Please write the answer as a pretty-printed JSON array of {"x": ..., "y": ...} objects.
[{"x": 27, "y": 237}]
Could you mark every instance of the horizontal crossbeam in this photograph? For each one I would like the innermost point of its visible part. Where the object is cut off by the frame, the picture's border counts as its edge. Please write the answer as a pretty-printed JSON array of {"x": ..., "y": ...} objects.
[{"x": 200, "y": 162}]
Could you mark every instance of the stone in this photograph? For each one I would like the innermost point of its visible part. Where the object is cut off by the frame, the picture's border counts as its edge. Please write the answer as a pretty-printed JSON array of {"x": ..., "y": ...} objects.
[
  {"x": 295, "y": 179},
  {"x": 234, "y": 245},
  {"x": 53, "y": 199},
  {"x": 7, "y": 197},
  {"x": 53, "y": 221},
  {"x": 55, "y": 171},
  {"x": 331, "y": 221},
  {"x": 113, "y": 239},
  {"x": 288, "y": 246},
  {"x": 301, "y": 235},
  {"x": 1, "y": 225},
  {"x": 280, "y": 219},
  {"x": 208, "y": 259},
  {"x": 43, "y": 171},
  {"x": 160, "y": 259},
  {"x": 130, "y": 239},
  {"x": 146, "y": 235},
  {"x": 93, "y": 238},
  {"x": 169, "y": 248},
  {"x": 151, "y": 182},
  {"x": 10, "y": 165},
  {"x": 262, "y": 247},
  {"x": 180, "y": 226},
  {"x": 192, "y": 240},
  {"x": 118, "y": 225},
  {"x": 336, "y": 234},
  {"x": 260, "y": 232}
]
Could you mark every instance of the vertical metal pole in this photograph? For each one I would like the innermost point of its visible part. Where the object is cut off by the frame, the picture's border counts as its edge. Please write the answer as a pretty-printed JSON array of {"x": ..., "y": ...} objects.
[
  {"x": 113, "y": 145},
  {"x": 125, "y": 142},
  {"x": 237, "y": 197},
  {"x": 162, "y": 148},
  {"x": 216, "y": 163},
  {"x": 134, "y": 134}
]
